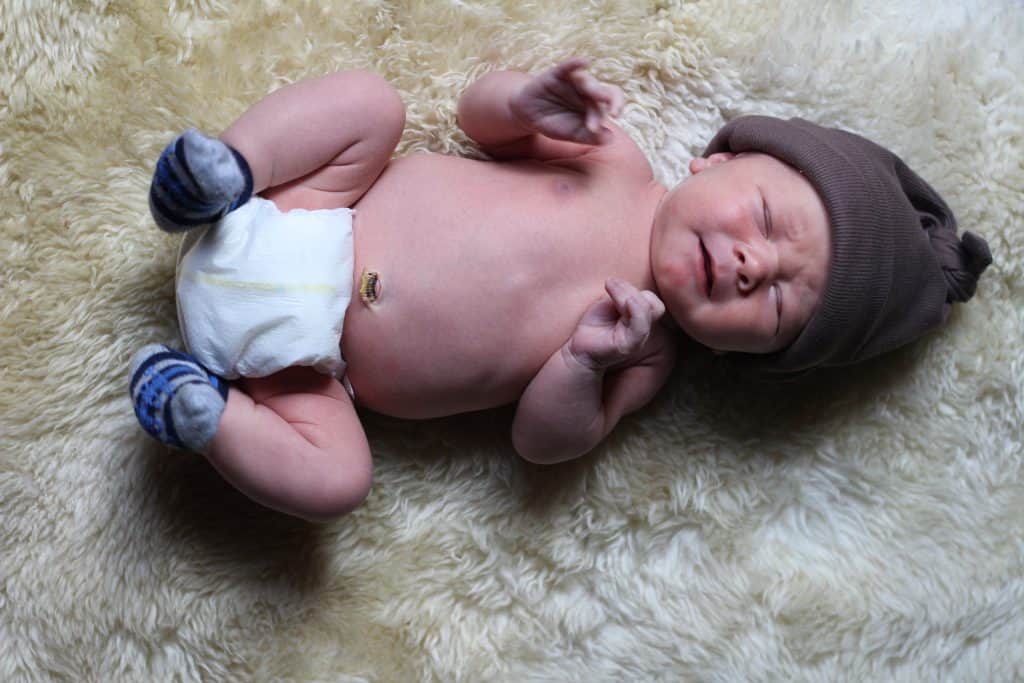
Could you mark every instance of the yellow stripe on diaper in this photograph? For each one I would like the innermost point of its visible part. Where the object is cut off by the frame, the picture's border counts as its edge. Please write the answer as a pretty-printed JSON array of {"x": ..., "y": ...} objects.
[{"x": 266, "y": 287}]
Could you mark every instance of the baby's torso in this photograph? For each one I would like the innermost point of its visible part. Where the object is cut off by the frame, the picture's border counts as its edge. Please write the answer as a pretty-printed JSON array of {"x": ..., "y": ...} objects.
[{"x": 484, "y": 270}]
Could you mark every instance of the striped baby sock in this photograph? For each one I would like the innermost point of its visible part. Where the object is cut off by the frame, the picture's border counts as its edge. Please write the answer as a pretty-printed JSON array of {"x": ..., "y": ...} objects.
[
  {"x": 176, "y": 400},
  {"x": 197, "y": 180}
]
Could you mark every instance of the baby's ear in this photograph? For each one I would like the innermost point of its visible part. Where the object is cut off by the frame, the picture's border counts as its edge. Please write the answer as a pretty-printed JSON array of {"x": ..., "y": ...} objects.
[{"x": 700, "y": 163}]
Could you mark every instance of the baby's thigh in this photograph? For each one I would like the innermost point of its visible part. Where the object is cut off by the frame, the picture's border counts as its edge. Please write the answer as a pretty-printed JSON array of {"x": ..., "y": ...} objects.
[
  {"x": 367, "y": 117},
  {"x": 291, "y": 384},
  {"x": 293, "y": 442},
  {"x": 315, "y": 404}
]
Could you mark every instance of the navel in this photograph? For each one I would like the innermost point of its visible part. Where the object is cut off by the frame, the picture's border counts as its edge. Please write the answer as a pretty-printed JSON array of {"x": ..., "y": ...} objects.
[{"x": 369, "y": 286}]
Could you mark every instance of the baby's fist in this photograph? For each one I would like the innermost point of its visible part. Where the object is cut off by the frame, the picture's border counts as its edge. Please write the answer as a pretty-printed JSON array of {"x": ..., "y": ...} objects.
[
  {"x": 568, "y": 103},
  {"x": 615, "y": 327}
]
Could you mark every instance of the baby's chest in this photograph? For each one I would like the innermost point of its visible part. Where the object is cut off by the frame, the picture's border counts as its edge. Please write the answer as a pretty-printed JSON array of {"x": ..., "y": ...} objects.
[{"x": 495, "y": 224}]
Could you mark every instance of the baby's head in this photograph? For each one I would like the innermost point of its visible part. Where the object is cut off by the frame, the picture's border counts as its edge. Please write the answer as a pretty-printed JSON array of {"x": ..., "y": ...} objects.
[{"x": 811, "y": 246}]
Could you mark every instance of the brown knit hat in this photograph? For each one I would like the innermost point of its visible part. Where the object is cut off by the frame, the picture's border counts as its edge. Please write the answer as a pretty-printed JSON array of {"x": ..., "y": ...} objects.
[{"x": 897, "y": 263}]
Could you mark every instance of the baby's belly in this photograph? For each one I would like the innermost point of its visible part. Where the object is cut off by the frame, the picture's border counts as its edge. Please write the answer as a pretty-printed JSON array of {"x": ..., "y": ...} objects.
[
  {"x": 475, "y": 293},
  {"x": 429, "y": 366},
  {"x": 443, "y": 337}
]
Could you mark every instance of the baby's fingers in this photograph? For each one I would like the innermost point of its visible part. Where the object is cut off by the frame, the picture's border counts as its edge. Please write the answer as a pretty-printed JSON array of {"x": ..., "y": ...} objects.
[
  {"x": 611, "y": 98},
  {"x": 607, "y": 98},
  {"x": 640, "y": 315},
  {"x": 635, "y": 313},
  {"x": 657, "y": 306},
  {"x": 633, "y": 327},
  {"x": 565, "y": 69},
  {"x": 621, "y": 291}
]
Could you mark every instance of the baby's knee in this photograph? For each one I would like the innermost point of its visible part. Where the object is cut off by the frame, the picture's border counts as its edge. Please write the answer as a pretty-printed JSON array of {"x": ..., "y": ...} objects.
[
  {"x": 341, "y": 489},
  {"x": 376, "y": 95}
]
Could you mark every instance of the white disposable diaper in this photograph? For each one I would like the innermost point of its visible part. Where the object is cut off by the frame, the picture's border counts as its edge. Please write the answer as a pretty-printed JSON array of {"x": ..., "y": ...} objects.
[{"x": 262, "y": 290}]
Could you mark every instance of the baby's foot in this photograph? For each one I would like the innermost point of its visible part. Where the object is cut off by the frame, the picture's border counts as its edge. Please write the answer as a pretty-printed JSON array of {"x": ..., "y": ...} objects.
[
  {"x": 197, "y": 180},
  {"x": 176, "y": 400}
]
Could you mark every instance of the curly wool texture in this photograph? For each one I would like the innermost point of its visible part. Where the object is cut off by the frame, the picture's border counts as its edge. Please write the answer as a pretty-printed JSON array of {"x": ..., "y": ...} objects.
[{"x": 865, "y": 526}]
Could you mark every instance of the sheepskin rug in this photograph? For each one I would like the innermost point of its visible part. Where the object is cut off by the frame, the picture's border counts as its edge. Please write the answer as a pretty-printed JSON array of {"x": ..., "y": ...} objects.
[{"x": 863, "y": 525}]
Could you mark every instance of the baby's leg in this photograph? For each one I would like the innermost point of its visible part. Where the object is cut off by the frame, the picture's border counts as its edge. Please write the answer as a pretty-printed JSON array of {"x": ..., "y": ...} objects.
[
  {"x": 320, "y": 143},
  {"x": 316, "y": 144},
  {"x": 293, "y": 442}
]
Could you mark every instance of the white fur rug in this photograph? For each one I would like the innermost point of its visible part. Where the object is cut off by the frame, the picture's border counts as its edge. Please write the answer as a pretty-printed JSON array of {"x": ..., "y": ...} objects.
[{"x": 868, "y": 525}]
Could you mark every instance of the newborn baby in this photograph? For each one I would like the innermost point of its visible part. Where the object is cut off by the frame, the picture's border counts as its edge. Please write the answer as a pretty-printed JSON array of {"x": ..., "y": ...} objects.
[{"x": 542, "y": 277}]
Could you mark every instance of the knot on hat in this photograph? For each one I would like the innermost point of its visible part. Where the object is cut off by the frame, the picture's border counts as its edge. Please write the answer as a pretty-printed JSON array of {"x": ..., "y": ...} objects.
[{"x": 963, "y": 260}]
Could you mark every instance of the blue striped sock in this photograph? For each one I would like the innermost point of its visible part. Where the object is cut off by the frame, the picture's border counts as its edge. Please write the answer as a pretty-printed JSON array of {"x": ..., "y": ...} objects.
[
  {"x": 197, "y": 181},
  {"x": 176, "y": 400}
]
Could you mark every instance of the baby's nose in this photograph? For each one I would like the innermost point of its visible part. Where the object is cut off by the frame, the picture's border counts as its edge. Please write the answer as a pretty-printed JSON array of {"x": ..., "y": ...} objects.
[{"x": 752, "y": 267}]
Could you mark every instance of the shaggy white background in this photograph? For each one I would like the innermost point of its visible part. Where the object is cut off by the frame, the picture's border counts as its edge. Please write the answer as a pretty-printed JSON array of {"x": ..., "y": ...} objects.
[{"x": 866, "y": 525}]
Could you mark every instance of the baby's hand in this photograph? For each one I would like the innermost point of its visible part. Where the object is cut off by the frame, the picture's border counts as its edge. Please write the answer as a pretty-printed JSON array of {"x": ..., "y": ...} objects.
[
  {"x": 567, "y": 103},
  {"x": 615, "y": 327}
]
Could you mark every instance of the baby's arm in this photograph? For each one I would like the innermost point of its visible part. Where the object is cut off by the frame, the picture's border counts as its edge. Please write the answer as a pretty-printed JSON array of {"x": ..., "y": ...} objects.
[
  {"x": 293, "y": 442},
  {"x": 560, "y": 113},
  {"x": 615, "y": 362}
]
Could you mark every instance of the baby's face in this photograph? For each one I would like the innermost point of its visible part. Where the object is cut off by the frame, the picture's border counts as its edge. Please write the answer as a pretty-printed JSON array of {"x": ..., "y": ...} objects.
[{"x": 740, "y": 252}]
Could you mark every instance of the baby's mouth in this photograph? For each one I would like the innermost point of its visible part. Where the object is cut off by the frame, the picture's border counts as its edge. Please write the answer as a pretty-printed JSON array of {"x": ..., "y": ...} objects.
[{"x": 709, "y": 272}]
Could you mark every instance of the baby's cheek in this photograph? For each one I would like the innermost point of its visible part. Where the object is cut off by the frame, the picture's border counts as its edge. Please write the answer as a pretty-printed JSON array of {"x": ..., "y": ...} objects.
[{"x": 732, "y": 327}]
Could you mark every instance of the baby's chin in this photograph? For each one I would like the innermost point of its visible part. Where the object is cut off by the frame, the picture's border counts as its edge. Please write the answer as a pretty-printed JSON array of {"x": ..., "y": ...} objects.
[{"x": 679, "y": 323}]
